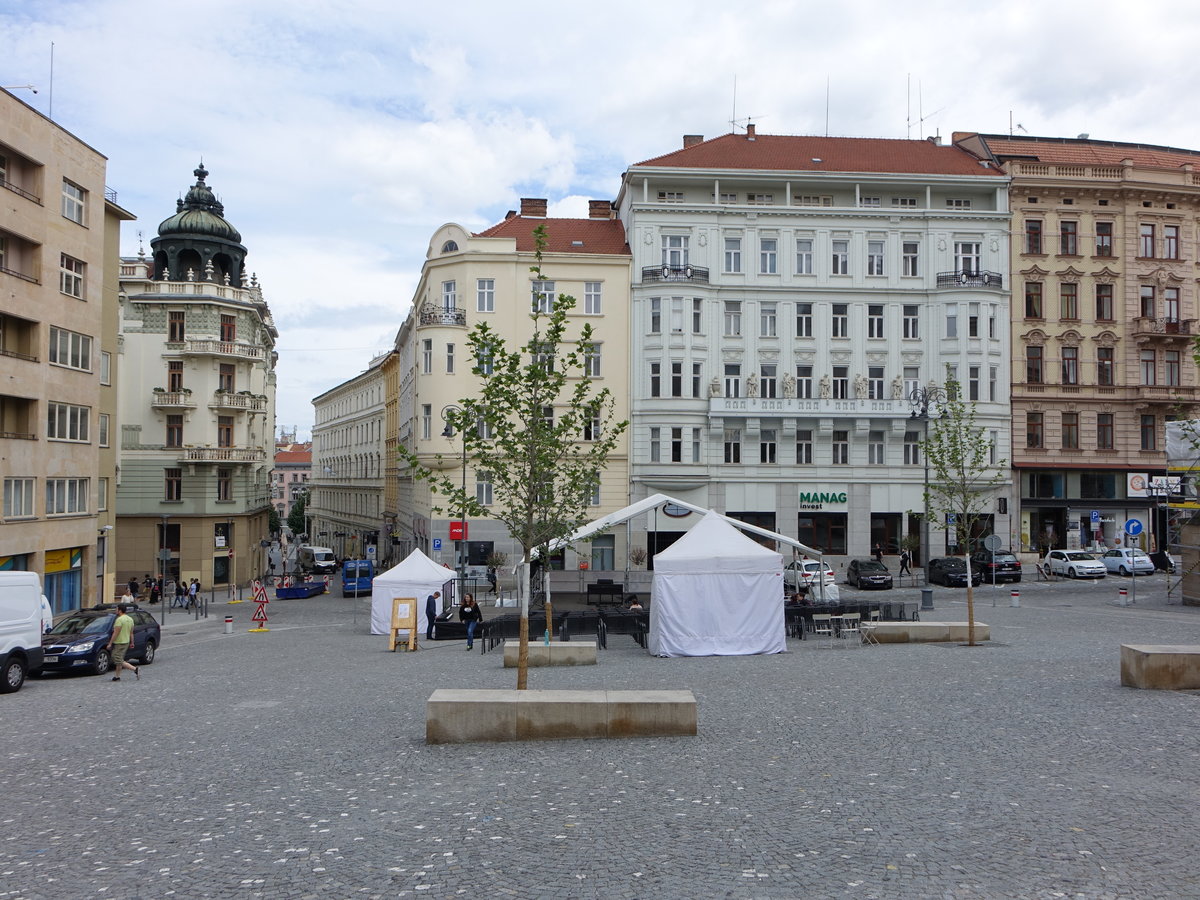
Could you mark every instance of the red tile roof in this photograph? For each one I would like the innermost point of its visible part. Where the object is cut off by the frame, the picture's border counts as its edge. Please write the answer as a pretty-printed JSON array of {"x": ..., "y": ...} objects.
[
  {"x": 1079, "y": 151},
  {"x": 794, "y": 153},
  {"x": 595, "y": 235},
  {"x": 293, "y": 457}
]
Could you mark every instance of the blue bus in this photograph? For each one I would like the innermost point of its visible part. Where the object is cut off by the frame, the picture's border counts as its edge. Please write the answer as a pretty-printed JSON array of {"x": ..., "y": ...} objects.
[{"x": 356, "y": 576}]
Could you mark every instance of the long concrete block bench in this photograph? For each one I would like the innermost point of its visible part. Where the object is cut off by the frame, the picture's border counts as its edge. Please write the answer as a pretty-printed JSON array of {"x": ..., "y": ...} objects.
[
  {"x": 556, "y": 653},
  {"x": 1161, "y": 667},
  {"x": 457, "y": 716},
  {"x": 925, "y": 632}
]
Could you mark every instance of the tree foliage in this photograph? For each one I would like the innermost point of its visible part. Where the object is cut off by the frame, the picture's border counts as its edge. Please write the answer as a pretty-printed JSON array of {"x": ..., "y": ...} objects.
[
  {"x": 296, "y": 518},
  {"x": 273, "y": 521}
]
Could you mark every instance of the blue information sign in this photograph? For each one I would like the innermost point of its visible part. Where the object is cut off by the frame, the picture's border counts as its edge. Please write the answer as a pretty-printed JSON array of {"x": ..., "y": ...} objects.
[
  {"x": 1095, "y": 516},
  {"x": 1133, "y": 527},
  {"x": 437, "y": 543}
]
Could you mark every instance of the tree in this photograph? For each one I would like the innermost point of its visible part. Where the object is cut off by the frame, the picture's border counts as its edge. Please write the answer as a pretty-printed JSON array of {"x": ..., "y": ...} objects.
[
  {"x": 296, "y": 518},
  {"x": 273, "y": 521},
  {"x": 963, "y": 479},
  {"x": 540, "y": 428}
]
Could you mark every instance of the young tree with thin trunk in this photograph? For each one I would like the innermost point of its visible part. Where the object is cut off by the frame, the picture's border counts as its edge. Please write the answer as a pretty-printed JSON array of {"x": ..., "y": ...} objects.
[{"x": 540, "y": 427}]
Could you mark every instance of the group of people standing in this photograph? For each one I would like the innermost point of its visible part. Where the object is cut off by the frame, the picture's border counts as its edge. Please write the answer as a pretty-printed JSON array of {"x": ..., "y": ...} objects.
[{"x": 187, "y": 593}]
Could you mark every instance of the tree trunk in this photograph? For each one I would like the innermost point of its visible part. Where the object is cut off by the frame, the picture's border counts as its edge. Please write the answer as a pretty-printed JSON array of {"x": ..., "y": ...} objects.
[
  {"x": 970, "y": 606},
  {"x": 523, "y": 650}
]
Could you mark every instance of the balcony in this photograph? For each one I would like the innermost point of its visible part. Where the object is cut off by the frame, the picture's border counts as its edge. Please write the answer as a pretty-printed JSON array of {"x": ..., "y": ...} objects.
[
  {"x": 210, "y": 347},
  {"x": 247, "y": 402},
  {"x": 1147, "y": 329},
  {"x": 693, "y": 274},
  {"x": 432, "y": 314},
  {"x": 981, "y": 279},
  {"x": 792, "y": 406},
  {"x": 1166, "y": 394},
  {"x": 161, "y": 399},
  {"x": 222, "y": 455},
  {"x": 17, "y": 418}
]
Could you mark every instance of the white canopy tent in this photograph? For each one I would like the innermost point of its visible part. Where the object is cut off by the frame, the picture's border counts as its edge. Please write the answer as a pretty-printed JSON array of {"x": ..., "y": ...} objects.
[
  {"x": 417, "y": 576},
  {"x": 716, "y": 593}
]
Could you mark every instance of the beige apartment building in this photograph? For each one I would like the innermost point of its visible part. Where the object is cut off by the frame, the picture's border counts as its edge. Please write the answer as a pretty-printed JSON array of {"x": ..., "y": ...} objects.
[
  {"x": 59, "y": 242},
  {"x": 1104, "y": 311},
  {"x": 472, "y": 278}
]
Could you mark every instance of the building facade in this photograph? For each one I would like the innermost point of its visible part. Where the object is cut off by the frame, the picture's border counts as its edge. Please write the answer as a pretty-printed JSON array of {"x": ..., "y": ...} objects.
[
  {"x": 197, "y": 401},
  {"x": 789, "y": 294},
  {"x": 290, "y": 477},
  {"x": 1104, "y": 319},
  {"x": 59, "y": 245}
]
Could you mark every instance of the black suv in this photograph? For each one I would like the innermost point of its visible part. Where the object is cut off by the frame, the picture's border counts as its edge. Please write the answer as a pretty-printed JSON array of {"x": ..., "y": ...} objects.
[
  {"x": 80, "y": 640},
  {"x": 867, "y": 573},
  {"x": 1002, "y": 565}
]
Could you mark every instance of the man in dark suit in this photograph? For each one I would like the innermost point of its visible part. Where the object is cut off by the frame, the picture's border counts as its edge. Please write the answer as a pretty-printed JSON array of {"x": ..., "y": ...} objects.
[{"x": 431, "y": 612}]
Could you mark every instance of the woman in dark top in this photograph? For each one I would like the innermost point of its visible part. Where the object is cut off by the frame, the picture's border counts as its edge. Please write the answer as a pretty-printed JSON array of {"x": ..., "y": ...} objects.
[{"x": 470, "y": 613}]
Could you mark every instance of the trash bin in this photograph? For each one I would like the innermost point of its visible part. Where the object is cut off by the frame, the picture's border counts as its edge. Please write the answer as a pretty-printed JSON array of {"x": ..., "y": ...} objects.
[{"x": 927, "y": 598}]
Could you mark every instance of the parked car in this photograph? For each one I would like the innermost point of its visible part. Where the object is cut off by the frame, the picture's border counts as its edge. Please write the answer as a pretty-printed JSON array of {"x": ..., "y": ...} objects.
[
  {"x": 1124, "y": 560},
  {"x": 867, "y": 573},
  {"x": 80, "y": 641},
  {"x": 804, "y": 572},
  {"x": 24, "y": 615},
  {"x": 1002, "y": 565},
  {"x": 952, "y": 572},
  {"x": 1075, "y": 564}
]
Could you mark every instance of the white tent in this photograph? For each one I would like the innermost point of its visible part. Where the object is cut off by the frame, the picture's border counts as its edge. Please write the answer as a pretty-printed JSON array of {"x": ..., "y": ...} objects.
[
  {"x": 417, "y": 576},
  {"x": 716, "y": 593}
]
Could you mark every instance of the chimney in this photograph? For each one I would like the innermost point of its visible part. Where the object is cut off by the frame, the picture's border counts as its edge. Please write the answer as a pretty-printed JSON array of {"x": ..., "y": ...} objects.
[
  {"x": 750, "y": 132},
  {"x": 935, "y": 139},
  {"x": 691, "y": 140},
  {"x": 535, "y": 208},
  {"x": 599, "y": 209},
  {"x": 508, "y": 215}
]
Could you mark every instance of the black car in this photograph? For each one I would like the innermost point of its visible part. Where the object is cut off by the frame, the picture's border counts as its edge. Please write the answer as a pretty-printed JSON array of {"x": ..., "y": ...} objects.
[
  {"x": 1002, "y": 565},
  {"x": 952, "y": 572},
  {"x": 80, "y": 641},
  {"x": 867, "y": 573}
]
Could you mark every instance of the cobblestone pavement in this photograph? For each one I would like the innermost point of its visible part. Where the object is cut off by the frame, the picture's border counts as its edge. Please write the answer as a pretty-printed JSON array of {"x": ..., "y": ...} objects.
[{"x": 291, "y": 764}]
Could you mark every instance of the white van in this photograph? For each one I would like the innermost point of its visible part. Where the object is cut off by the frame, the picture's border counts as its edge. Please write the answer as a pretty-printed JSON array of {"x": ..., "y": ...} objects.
[
  {"x": 316, "y": 560},
  {"x": 24, "y": 617}
]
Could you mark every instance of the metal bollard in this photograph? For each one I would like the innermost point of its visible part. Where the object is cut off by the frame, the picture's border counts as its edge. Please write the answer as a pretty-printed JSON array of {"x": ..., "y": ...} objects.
[
  {"x": 229, "y": 624},
  {"x": 926, "y": 598},
  {"x": 1123, "y": 597},
  {"x": 1014, "y": 599}
]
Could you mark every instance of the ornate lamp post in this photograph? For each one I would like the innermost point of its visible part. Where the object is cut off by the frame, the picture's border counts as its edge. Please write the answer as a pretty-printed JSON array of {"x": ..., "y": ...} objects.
[
  {"x": 448, "y": 432},
  {"x": 924, "y": 402}
]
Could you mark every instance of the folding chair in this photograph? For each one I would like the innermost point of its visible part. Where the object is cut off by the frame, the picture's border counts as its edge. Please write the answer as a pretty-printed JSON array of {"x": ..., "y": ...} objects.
[
  {"x": 822, "y": 628},
  {"x": 852, "y": 629},
  {"x": 868, "y": 627}
]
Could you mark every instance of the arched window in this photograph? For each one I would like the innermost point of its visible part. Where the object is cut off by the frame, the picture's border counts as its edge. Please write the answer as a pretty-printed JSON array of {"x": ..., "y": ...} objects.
[{"x": 449, "y": 247}]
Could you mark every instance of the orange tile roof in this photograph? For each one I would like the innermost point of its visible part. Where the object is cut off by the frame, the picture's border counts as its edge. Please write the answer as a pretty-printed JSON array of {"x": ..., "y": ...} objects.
[
  {"x": 1083, "y": 152},
  {"x": 293, "y": 457},
  {"x": 795, "y": 153},
  {"x": 596, "y": 235}
]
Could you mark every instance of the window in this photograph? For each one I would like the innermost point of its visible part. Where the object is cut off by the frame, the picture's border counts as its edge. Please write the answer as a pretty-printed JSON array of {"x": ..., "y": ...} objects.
[
  {"x": 875, "y": 382},
  {"x": 482, "y": 428},
  {"x": 1171, "y": 368},
  {"x": 1146, "y": 302},
  {"x": 591, "y": 361},
  {"x": 1068, "y": 238},
  {"x": 1171, "y": 241},
  {"x": 1148, "y": 366},
  {"x": 224, "y": 431},
  {"x": 548, "y": 416},
  {"x": 973, "y": 320},
  {"x": 804, "y": 257},
  {"x": 993, "y": 383},
  {"x": 1033, "y": 300},
  {"x": 760, "y": 199},
  {"x": 728, "y": 198},
  {"x": 655, "y": 315},
  {"x": 65, "y": 422},
  {"x": 1070, "y": 431},
  {"x": 174, "y": 375},
  {"x": 485, "y": 295},
  {"x": 951, "y": 320},
  {"x": 1171, "y": 305},
  {"x": 655, "y": 379},
  {"x": 1104, "y": 431},
  {"x": 1033, "y": 430},
  {"x": 1149, "y": 432},
  {"x": 483, "y": 488},
  {"x": 910, "y": 257},
  {"x": 18, "y": 498},
  {"x": 872, "y": 202},
  {"x": 875, "y": 258},
  {"x": 1070, "y": 365},
  {"x": 449, "y": 295},
  {"x": 875, "y": 448},
  {"x": 1104, "y": 302},
  {"x": 224, "y": 485},
  {"x": 967, "y": 257},
  {"x": 1146, "y": 241},
  {"x": 449, "y": 359},
  {"x": 813, "y": 200},
  {"x": 1104, "y": 238},
  {"x": 226, "y": 376},
  {"x": 906, "y": 202},
  {"x": 958, "y": 203},
  {"x": 427, "y": 356},
  {"x": 733, "y": 380},
  {"x": 912, "y": 448},
  {"x": 591, "y": 427},
  {"x": 1033, "y": 365},
  {"x": 74, "y": 202},
  {"x": 174, "y": 431},
  {"x": 767, "y": 255},
  {"x": 992, "y": 333},
  {"x": 1104, "y": 366},
  {"x": 228, "y": 328},
  {"x": 841, "y": 382},
  {"x": 70, "y": 349},
  {"x": 697, "y": 315},
  {"x": 910, "y": 326},
  {"x": 875, "y": 321},
  {"x": 733, "y": 254},
  {"x": 841, "y": 258},
  {"x": 804, "y": 382},
  {"x": 733, "y": 445},
  {"x": 101, "y": 494},
  {"x": 105, "y": 367},
  {"x": 543, "y": 296},
  {"x": 670, "y": 196},
  {"x": 841, "y": 448},
  {"x": 767, "y": 381},
  {"x": 676, "y": 379},
  {"x": 973, "y": 383},
  {"x": 66, "y": 496},
  {"x": 655, "y": 444},
  {"x": 677, "y": 315},
  {"x": 766, "y": 446},
  {"x": 766, "y": 320},
  {"x": 70, "y": 276},
  {"x": 696, "y": 380},
  {"x": 1068, "y": 300},
  {"x": 175, "y": 330},
  {"x": 591, "y": 298},
  {"x": 841, "y": 320},
  {"x": 804, "y": 447},
  {"x": 1033, "y": 235},
  {"x": 733, "y": 318},
  {"x": 675, "y": 250},
  {"x": 173, "y": 485},
  {"x": 804, "y": 320},
  {"x": 912, "y": 380},
  {"x": 426, "y": 421}
]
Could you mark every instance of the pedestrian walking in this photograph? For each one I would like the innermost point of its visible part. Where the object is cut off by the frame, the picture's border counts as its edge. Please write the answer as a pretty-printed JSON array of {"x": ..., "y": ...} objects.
[
  {"x": 431, "y": 612},
  {"x": 878, "y": 553},
  {"x": 133, "y": 586},
  {"x": 905, "y": 559},
  {"x": 470, "y": 614},
  {"x": 147, "y": 584},
  {"x": 156, "y": 590},
  {"x": 193, "y": 594},
  {"x": 119, "y": 641},
  {"x": 491, "y": 577},
  {"x": 181, "y": 592}
]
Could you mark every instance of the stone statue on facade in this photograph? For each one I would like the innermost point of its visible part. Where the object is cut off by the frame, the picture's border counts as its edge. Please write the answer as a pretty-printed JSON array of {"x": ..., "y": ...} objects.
[
  {"x": 752, "y": 385},
  {"x": 789, "y": 385},
  {"x": 714, "y": 387},
  {"x": 826, "y": 387},
  {"x": 860, "y": 386},
  {"x": 897, "y": 388}
]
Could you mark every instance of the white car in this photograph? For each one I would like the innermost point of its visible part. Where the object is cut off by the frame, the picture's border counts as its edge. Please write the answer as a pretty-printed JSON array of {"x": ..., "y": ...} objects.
[
  {"x": 1075, "y": 564},
  {"x": 1124, "y": 560},
  {"x": 804, "y": 571}
]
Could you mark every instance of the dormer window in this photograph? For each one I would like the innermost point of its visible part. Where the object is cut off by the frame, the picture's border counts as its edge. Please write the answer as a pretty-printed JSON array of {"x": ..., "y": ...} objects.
[{"x": 450, "y": 247}]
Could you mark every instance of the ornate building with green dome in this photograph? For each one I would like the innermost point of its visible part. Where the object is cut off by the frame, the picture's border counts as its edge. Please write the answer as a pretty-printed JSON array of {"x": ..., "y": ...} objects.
[{"x": 197, "y": 402}]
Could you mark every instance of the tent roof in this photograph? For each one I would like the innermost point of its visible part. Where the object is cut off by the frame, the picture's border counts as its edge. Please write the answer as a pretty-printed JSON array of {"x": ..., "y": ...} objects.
[
  {"x": 416, "y": 567},
  {"x": 714, "y": 545}
]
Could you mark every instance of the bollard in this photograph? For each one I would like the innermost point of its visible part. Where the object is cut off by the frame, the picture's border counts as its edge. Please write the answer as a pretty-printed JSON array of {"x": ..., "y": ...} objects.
[
  {"x": 229, "y": 624},
  {"x": 1014, "y": 598},
  {"x": 1123, "y": 597},
  {"x": 926, "y": 598}
]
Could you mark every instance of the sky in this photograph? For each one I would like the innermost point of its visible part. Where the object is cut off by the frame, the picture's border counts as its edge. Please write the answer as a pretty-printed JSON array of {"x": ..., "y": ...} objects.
[{"x": 340, "y": 136}]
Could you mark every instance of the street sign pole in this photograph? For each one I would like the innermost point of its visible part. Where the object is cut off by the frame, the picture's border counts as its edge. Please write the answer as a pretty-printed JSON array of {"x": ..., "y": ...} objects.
[{"x": 1133, "y": 527}]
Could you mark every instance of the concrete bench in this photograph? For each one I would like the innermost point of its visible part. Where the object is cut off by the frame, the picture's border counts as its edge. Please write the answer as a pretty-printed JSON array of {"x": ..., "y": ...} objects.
[
  {"x": 456, "y": 716},
  {"x": 556, "y": 653},
  {"x": 1161, "y": 667},
  {"x": 924, "y": 632}
]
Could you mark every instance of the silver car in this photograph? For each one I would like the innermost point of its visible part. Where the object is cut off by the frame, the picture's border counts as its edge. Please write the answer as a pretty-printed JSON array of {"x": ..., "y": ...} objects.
[
  {"x": 1124, "y": 560},
  {"x": 1075, "y": 564}
]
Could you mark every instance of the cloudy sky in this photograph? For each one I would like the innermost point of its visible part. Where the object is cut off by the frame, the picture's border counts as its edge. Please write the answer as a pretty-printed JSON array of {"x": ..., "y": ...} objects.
[{"x": 340, "y": 135}]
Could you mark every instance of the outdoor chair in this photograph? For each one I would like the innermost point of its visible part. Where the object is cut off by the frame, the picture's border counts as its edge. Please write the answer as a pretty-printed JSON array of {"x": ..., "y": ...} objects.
[
  {"x": 852, "y": 629},
  {"x": 868, "y": 627},
  {"x": 822, "y": 628}
]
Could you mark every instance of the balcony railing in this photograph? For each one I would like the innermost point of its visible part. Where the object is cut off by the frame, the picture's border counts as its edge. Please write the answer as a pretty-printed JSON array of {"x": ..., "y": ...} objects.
[
  {"x": 696, "y": 274},
  {"x": 1147, "y": 325},
  {"x": 15, "y": 355},
  {"x": 5, "y": 183},
  {"x": 238, "y": 401},
  {"x": 221, "y": 348},
  {"x": 18, "y": 435},
  {"x": 970, "y": 279},
  {"x": 432, "y": 314},
  {"x": 15, "y": 274},
  {"x": 223, "y": 454},
  {"x": 167, "y": 399}
]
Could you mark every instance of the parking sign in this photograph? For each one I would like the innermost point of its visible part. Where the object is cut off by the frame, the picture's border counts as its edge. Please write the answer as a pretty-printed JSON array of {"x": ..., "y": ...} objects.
[{"x": 437, "y": 543}]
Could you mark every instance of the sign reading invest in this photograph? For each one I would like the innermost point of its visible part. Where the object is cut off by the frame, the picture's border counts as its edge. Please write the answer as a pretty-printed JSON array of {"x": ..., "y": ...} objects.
[{"x": 818, "y": 499}]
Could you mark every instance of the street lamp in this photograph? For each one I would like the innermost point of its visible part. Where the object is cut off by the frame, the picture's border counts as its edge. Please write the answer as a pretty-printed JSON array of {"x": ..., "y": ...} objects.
[
  {"x": 448, "y": 432},
  {"x": 922, "y": 399}
]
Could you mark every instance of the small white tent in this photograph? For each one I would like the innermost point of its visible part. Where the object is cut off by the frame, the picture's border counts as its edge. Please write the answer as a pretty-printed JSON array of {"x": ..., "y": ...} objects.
[
  {"x": 716, "y": 593},
  {"x": 417, "y": 576}
]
